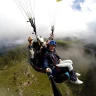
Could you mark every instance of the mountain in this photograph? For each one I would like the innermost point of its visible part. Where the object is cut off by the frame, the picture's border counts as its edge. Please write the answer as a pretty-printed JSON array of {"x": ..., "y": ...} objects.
[{"x": 18, "y": 78}]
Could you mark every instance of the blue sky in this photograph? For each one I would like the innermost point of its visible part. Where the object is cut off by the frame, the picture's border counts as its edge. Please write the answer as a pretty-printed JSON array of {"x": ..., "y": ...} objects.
[
  {"x": 71, "y": 18},
  {"x": 76, "y": 4}
]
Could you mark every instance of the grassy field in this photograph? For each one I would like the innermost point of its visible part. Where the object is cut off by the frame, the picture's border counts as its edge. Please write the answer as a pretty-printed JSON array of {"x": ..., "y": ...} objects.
[
  {"x": 18, "y": 78},
  {"x": 22, "y": 80}
]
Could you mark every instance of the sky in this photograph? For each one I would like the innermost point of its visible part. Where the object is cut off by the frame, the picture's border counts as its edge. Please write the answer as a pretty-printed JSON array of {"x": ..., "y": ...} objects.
[{"x": 70, "y": 18}]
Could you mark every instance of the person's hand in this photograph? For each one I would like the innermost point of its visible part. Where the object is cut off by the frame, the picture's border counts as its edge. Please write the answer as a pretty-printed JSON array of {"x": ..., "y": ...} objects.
[
  {"x": 51, "y": 35},
  {"x": 48, "y": 69},
  {"x": 60, "y": 60}
]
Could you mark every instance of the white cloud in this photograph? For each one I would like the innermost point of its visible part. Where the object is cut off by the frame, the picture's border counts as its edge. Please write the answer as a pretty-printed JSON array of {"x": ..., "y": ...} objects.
[
  {"x": 89, "y": 5},
  {"x": 67, "y": 20}
]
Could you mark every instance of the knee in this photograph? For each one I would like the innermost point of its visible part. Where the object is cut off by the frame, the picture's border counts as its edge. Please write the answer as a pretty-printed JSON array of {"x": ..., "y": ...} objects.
[
  {"x": 70, "y": 67},
  {"x": 70, "y": 61}
]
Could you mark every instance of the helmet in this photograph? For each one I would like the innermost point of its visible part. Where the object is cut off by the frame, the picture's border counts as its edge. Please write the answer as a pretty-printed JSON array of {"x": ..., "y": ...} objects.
[
  {"x": 52, "y": 42},
  {"x": 40, "y": 39},
  {"x": 30, "y": 38}
]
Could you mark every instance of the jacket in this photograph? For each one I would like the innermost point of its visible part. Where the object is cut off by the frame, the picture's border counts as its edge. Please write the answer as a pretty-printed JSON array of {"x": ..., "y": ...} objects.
[{"x": 51, "y": 58}]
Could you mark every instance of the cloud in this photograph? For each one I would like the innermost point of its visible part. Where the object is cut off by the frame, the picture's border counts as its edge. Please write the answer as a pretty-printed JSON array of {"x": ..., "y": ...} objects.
[
  {"x": 76, "y": 4},
  {"x": 88, "y": 5},
  {"x": 71, "y": 18}
]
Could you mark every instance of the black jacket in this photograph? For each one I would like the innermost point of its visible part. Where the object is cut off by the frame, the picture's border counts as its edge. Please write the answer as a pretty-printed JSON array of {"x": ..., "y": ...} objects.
[{"x": 51, "y": 58}]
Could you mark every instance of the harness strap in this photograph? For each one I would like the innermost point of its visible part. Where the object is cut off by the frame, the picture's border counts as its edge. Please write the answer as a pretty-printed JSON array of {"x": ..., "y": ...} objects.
[{"x": 54, "y": 62}]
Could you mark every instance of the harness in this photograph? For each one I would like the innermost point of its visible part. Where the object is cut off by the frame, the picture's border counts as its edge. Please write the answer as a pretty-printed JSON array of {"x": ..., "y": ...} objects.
[
  {"x": 54, "y": 60},
  {"x": 60, "y": 77}
]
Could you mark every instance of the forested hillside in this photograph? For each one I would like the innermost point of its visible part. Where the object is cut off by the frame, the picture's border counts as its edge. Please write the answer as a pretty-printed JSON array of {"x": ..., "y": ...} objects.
[{"x": 18, "y": 78}]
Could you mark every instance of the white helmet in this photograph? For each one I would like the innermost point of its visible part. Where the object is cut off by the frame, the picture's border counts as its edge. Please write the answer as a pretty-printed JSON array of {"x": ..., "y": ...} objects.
[{"x": 40, "y": 39}]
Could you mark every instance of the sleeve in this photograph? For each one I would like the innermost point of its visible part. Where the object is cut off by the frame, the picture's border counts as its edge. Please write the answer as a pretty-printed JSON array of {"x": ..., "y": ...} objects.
[
  {"x": 57, "y": 55},
  {"x": 45, "y": 62},
  {"x": 30, "y": 47},
  {"x": 50, "y": 38}
]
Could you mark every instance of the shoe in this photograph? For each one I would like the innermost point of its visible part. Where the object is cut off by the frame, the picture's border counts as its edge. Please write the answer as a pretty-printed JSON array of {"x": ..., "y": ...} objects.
[
  {"x": 77, "y": 74},
  {"x": 77, "y": 81}
]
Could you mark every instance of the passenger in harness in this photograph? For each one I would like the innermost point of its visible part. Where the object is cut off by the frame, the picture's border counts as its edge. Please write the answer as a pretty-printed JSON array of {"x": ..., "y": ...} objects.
[{"x": 54, "y": 66}]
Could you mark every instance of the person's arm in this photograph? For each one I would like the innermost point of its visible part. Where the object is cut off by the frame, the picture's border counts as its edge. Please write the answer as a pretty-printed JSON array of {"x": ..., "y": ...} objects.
[
  {"x": 45, "y": 62},
  {"x": 51, "y": 37},
  {"x": 46, "y": 67},
  {"x": 58, "y": 57},
  {"x": 30, "y": 47},
  {"x": 60, "y": 60}
]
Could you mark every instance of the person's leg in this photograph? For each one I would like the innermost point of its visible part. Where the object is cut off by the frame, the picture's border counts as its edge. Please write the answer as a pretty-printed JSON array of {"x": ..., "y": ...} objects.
[
  {"x": 64, "y": 64},
  {"x": 70, "y": 61},
  {"x": 72, "y": 73},
  {"x": 67, "y": 61}
]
